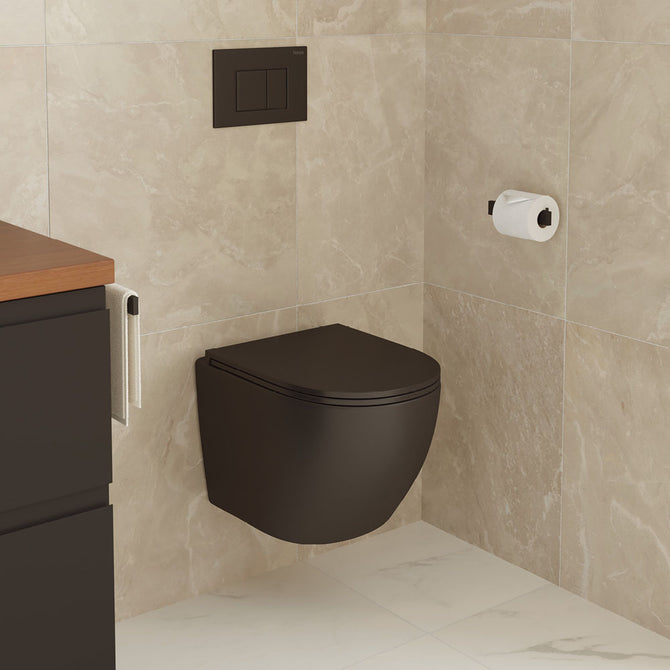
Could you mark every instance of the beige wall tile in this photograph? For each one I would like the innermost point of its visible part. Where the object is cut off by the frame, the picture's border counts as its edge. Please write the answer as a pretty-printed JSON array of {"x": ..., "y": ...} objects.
[
  {"x": 21, "y": 22},
  {"x": 396, "y": 314},
  {"x": 619, "y": 243},
  {"x": 616, "y": 539},
  {"x": 92, "y": 21},
  {"x": 622, "y": 20},
  {"x": 493, "y": 475},
  {"x": 360, "y": 166},
  {"x": 23, "y": 151},
  {"x": 348, "y": 17},
  {"x": 521, "y": 18},
  {"x": 201, "y": 221},
  {"x": 170, "y": 542},
  {"x": 497, "y": 118}
]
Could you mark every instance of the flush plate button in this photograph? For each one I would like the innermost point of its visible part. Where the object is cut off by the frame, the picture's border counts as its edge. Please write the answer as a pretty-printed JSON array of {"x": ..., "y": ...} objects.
[
  {"x": 252, "y": 91},
  {"x": 277, "y": 80},
  {"x": 256, "y": 86}
]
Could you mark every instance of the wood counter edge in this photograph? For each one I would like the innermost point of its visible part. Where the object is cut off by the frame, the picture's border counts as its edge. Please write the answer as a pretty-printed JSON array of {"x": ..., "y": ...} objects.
[
  {"x": 56, "y": 280},
  {"x": 32, "y": 264}
]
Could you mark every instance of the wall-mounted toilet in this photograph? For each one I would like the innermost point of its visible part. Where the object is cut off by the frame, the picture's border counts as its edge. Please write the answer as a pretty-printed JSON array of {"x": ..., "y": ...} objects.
[{"x": 315, "y": 436}]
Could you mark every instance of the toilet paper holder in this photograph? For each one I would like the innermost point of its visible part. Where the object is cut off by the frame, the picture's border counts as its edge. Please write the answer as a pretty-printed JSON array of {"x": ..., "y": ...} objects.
[{"x": 543, "y": 219}]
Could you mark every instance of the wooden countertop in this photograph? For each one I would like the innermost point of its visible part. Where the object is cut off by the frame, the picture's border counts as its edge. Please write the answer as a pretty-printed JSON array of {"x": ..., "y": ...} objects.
[{"x": 32, "y": 264}]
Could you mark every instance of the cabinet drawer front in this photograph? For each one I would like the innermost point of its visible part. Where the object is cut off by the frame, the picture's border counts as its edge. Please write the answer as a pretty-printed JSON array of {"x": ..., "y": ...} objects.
[
  {"x": 55, "y": 436},
  {"x": 57, "y": 587}
]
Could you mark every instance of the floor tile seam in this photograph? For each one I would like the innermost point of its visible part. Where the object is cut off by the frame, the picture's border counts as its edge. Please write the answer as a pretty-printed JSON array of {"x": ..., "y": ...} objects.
[
  {"x": 470, "y": 547},
  {"x": 355, "y": 591},
  {"x": 428, "y": 631},
  {"x": 380, "y": 653},
  {"x": 490, "y": 608},
  {"x": 459, "y": 651}
]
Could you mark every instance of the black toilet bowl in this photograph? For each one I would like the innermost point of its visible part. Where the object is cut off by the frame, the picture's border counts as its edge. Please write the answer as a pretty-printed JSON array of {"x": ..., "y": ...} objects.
[{"x": 317, "y": 436}]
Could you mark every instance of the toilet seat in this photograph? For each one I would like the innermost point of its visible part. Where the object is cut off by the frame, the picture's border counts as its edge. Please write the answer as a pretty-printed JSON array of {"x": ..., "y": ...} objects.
[{"x": 332, "y": 365}]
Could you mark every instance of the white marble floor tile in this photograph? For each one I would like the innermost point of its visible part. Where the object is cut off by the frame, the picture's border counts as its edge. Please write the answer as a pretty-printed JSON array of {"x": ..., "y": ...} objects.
[
  {"x": 552, "y": 629},
  {"x": 295, "y": 618},
  {"x": 426, "y": 576},
  {"x": 426, "y": 653}
]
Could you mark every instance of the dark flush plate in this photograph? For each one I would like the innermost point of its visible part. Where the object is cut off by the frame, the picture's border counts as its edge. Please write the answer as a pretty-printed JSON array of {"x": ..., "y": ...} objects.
[{"x": 255, "y": 86}]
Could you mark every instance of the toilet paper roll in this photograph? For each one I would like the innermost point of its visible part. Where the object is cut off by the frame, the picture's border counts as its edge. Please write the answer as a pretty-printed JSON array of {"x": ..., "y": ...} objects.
[{"x": 528, "y": 216}]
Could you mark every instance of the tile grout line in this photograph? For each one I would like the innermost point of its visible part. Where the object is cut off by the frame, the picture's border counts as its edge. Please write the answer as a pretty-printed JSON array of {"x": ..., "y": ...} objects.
[
  {"x": 297, "y": 254},
  {"x": 621, "y": 335},
  {"x": 380, "y": 653},
  {"x": 471, "y": 548},
  {"x": 46, "y": 121},
  {"x": 546, "y": 37},
  {"x": 297, "y": 210},
  {"x": 297, "y": 202},
  {"x": 425, "y": 207},
  {"x": 209, "y": 40},
  {"x": 280, "y": 309},
  {"x": 497, "y": 302},
  {"x": 460, "y": 651},
  {"x": 549, "y": 316},
  {"x": 565, "y": 308},
  {"x": 358, "y": 295},
  {"x": 433, "y": 633},
  {"x": 504, "y": 37},
  {"x": 502, "y": 603},
  {"x": 271, "y": 38},
  {"x": 348, "y": 587}
]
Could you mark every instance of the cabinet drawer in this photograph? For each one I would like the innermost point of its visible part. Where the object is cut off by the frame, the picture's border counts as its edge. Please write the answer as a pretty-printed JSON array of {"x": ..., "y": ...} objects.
[
  {"x": 55, "y": 435},
  {"x": 57, "y": 589}
]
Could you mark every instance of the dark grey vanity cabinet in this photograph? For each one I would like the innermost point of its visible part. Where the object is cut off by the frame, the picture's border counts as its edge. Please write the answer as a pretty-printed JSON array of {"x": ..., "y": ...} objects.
[{"x": 56, "y": 547}]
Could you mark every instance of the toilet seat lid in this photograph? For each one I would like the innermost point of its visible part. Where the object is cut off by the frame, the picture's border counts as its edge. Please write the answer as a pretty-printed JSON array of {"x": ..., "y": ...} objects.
[{"x": 332, "y": 362}]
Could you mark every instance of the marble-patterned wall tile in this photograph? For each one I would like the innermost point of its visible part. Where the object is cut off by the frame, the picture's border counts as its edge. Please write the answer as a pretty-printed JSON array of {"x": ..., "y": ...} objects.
[
  {"x": 351, "y": 17},
  {"x": 94, "y": 21},
  {"x": 619, "y": 243},
  {"x": 622, "y": 20},
  {"x": 24, "y": 199},
  {"x": 170, "y": 542},
  {"x": 493, "y": 475},
  {"x": 520, "y": 18},
  {"x": 396, "y": 314},
  {"x": 497, "y": 118},
  {"x": 616, "y": 537},
  {"x": 201, "y": 221},
  {"x": 21, "y": 22},
  {"x": 361, "y": 166}
]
